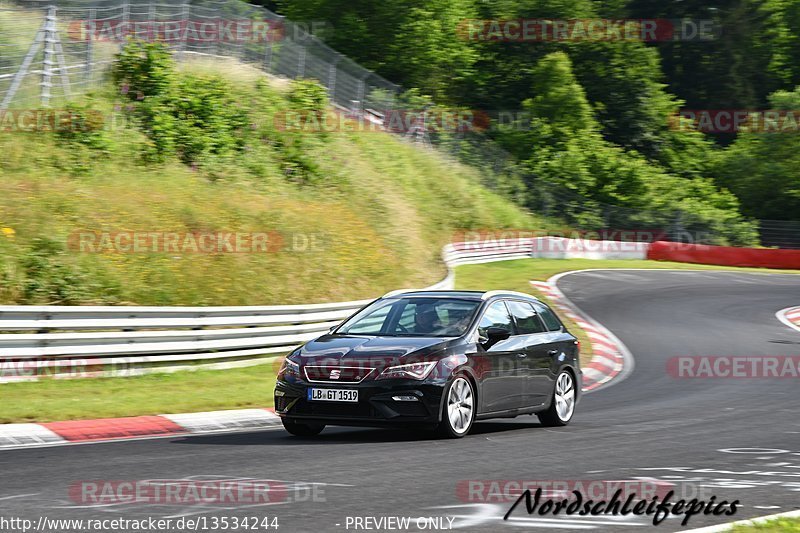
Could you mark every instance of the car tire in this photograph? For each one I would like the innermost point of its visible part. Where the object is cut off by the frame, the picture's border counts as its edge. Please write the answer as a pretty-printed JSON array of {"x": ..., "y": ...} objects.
[
  {"x": 458, "y": 409},
  {"x": 299, "y": 429},
  {"x": 562, "y": 405}
]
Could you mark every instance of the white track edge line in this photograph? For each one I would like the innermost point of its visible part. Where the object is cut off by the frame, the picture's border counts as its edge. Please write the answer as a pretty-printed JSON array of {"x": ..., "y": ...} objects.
[{"x": 627, "y": 356}]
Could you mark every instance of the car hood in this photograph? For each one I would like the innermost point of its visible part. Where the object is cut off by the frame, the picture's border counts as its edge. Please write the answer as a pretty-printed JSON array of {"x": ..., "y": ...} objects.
[{"x": 377, "y": 351}]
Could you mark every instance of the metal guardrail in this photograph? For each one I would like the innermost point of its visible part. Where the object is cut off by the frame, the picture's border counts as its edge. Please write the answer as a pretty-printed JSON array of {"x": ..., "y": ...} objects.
[{"x": 90, "y": 341}]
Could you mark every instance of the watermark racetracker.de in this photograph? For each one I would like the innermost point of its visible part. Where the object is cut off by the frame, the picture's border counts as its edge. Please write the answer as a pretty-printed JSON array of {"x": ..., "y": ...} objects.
[
  {"x": 612, "y": 240},
  {"x": 184, "y": 492},
  {"x": 736, "y": 120},
  {"x": 193, "y": 30},
  {"x": 734, "y": 367},
  {"x": 38, "y": 120},
  {"x": 384, "y": 120},
  {"x": 195, "y": 242},
  {"x": 589, "y": 29}
]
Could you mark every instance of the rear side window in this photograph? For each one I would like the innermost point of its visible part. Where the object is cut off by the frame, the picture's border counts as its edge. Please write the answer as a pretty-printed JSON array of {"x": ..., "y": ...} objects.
[
  {"x": 525, "y": 317},
  {"x": 549, "y": 318}
]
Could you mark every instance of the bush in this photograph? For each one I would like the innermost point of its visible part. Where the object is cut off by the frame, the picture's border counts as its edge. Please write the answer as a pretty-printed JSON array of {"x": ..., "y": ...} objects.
[
  {"x": 86, "y": 126},
  {"x": 143, "y": 70},
  {"x": 308, "y": 95},
  {"x": 207, "y": 119},
  {"x": 193, "y": 117},
  {"x": 197, "y": 120}
]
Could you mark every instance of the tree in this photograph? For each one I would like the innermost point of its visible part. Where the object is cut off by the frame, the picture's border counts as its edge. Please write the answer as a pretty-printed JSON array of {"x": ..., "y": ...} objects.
[
  {"x": 761, "y": 168},
  {"x": 598, "y": 183},
  {"x": 412, "y": 42}
]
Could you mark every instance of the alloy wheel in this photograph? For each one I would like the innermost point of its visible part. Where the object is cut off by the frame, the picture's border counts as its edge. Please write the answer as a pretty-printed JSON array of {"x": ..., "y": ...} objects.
[
  {"x": 460, "y": 405},
  {"x": 565, "y": 396}
]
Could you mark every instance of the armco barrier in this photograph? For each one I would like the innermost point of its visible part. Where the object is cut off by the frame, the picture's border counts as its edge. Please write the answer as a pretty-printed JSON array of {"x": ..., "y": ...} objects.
[
  {"x": 723, "y": 255},
  {"x": 78, "y": 341},
  {"x": 555, "y": 248},
  {"x": 562, "y": 248},
  {"x": 83, "y": 341}
]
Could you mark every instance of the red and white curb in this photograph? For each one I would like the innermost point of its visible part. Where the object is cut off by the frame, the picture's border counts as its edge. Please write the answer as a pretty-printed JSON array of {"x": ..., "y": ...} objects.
[
  {"x": 611, "y": 359},
  {"x": 134, "y": 427},
  {"x": 790, "y": 316}
]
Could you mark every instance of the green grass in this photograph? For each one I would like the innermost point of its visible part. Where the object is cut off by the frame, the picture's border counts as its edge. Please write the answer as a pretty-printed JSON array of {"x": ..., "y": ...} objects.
[
  {"x": 520, "y": 271},
  {"x": 783, "y": 525},
  {"x": 381, "y": 209},
  {"x": 516, "y": 275},
  {"x": 180, "y": 392}
]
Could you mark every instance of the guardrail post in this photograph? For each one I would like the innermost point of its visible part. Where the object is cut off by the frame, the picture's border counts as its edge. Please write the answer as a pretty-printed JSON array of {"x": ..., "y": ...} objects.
[
  {"x": 126, "y": 22},
  {"x": 152, "y": 31},
  {"x": 278, "y": 32},
  {"x": 184, "y": 31},
  {"x": 49, "y": 53},
  {"x": 90, "y": 45},
  {"x": 62, "y": 62},
  {"x": 268, "y": 50},
  {"x": 301, "y": 62},
  {"x": 332, "y": 78},
  {"x": 361, "y": 91},
  {"x": 215, "y": 41}
]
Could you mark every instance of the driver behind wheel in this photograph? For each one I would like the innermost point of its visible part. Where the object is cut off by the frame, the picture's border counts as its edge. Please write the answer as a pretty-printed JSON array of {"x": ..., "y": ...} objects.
[{"x": 426, "y": 319}]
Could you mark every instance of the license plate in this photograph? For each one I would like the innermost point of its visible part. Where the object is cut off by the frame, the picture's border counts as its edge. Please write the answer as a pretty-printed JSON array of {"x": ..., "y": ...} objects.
[{"x": 333, "y": 395}]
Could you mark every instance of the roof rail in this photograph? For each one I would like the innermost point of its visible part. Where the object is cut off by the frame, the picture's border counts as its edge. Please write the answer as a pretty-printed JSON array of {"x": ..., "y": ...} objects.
[
  {"x": 399, "y": 291},
  {"x": 489, "y": 294}
]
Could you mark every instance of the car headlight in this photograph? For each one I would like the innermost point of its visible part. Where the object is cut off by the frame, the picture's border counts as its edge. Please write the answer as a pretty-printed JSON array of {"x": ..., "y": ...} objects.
[
  {"x": 409, "y": 371},
  {"x": 289, "y": 367}
]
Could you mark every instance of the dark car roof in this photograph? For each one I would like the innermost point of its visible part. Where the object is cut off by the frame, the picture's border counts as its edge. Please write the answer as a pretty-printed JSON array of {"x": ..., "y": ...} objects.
[{"x": 463, "y": 295}]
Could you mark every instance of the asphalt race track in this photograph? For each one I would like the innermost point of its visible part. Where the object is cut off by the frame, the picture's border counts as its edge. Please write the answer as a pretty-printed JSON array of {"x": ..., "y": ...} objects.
[{"x": 731, "y": 438}]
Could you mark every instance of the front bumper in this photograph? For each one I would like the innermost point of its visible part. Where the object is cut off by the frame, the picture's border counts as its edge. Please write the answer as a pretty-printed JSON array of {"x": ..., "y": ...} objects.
[{"x": 376, "y": 404}]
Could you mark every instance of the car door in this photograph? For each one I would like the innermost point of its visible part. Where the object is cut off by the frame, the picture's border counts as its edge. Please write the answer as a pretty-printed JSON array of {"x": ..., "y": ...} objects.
[
  {"x": 536, "y": 363},
  {"x": 502, "y": 384},
  {"x": 557, "y": 346}
]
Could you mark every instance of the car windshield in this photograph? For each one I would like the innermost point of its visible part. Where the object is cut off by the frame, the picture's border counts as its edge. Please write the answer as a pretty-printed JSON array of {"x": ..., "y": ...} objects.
[{"x": 412, "y": 317}]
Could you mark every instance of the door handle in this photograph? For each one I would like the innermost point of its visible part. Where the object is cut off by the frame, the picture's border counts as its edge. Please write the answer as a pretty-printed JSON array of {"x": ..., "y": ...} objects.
[
  {"x": 522, "y": 355},
  {"x": 552, "y": 352}
]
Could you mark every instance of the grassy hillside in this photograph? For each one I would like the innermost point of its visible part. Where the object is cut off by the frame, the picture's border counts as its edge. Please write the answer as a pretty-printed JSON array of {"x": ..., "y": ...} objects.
[{"x": 379, "y": 208}]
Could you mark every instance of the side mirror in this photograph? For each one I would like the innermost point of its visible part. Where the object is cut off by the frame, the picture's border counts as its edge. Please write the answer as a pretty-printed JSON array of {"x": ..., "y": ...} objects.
[
  {"x": 496, "y": 334},
  {"x": 332, "y": 328},
  {"x": 492, "y": 335}
]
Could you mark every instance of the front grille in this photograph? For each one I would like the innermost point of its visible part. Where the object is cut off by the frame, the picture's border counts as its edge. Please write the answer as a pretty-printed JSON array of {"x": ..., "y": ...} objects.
[
  {"x": 336, "y": 374},
  {"x": 359, "y": 410}
]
